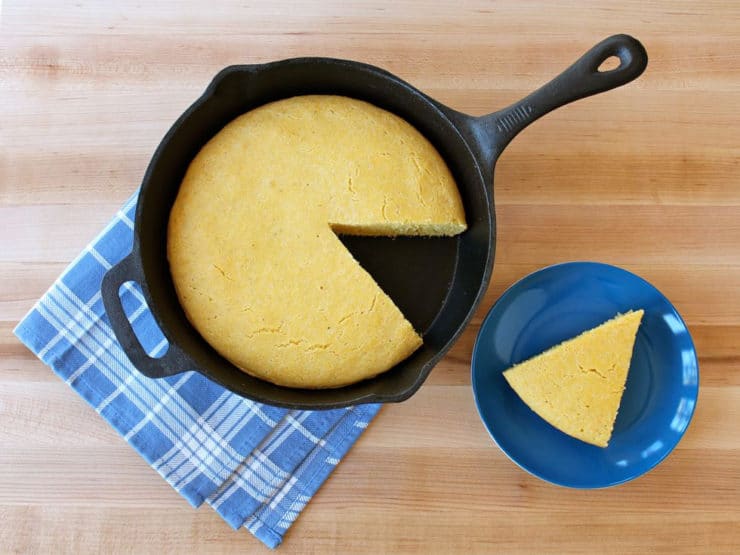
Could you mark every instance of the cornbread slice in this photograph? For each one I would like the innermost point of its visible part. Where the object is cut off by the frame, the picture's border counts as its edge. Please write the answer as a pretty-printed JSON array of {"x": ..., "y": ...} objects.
[
  {"x": 252, "y": 242},
  {"x": 577, "y": 386}
]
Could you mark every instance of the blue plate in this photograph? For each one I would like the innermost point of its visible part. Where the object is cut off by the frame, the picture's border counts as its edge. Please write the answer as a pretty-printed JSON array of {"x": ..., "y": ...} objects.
[{"x": 555, "y": 304}]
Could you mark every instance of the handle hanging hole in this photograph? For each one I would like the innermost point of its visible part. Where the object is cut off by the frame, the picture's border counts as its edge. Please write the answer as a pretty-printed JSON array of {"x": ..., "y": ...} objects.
[{"x": 611, "y": 63}]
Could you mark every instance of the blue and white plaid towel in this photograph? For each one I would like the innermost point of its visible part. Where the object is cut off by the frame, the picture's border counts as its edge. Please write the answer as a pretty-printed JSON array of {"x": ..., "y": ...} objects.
[{"x": 255, "y": 464}]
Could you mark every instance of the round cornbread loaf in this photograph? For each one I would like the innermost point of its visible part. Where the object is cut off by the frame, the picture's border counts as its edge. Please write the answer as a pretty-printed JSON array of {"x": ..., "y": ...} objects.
[{"x": 252, "y": 248}]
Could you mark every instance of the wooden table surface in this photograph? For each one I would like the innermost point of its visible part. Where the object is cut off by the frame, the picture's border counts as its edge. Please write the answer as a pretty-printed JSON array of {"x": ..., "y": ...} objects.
[{"x": 645, "y": 177}]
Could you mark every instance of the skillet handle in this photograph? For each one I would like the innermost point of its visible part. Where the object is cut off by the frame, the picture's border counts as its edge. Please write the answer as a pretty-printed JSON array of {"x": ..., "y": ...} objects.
[
  {"x": 580, "y": 80},
  {"x": 174, "y": 361}
]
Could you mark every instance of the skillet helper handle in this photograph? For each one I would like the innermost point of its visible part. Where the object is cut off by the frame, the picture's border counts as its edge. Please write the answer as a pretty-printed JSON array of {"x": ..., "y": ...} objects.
[
  {"x": 173, "y": 362},
  {"x": 580, "y": 80}
]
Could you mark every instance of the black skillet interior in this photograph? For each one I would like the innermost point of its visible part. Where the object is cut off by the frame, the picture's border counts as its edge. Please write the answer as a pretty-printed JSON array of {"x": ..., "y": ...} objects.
[{"x": 436, "y": 282}]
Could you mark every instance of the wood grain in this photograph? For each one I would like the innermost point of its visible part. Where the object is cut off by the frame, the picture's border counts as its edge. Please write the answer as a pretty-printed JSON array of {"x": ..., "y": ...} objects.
[{"x": 645, "y": 177}]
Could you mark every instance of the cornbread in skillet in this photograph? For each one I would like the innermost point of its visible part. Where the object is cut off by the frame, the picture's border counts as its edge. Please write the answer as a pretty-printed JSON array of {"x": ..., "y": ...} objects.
[
  {"x": 577, "y": 386},
  {"x": 252, "y": 242}
]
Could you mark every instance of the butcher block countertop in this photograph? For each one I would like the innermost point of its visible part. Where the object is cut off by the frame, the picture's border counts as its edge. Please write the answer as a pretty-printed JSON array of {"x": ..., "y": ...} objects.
[{"x": 646, "y": 177}]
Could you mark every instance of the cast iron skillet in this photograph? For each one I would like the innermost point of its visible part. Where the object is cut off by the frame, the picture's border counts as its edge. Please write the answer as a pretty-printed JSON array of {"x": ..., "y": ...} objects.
[{"x": 437, "y": 282}]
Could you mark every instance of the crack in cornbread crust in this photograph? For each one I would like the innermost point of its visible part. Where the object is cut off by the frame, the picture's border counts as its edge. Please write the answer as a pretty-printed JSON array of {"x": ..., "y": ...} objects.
[
  {"x": 252, "y": 241},
  {"x": 577, "y": 385}
]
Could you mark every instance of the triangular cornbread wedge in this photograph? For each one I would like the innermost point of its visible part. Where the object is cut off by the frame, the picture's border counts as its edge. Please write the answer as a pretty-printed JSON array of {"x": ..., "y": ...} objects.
[{"x": 577, "y": 386}]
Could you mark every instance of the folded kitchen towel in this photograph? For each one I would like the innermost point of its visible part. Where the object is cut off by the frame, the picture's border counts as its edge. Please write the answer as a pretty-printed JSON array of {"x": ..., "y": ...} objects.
[{"x": 255, "y": 464}]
